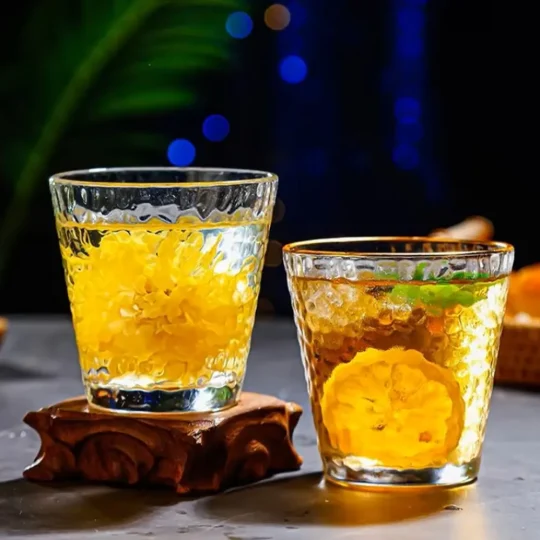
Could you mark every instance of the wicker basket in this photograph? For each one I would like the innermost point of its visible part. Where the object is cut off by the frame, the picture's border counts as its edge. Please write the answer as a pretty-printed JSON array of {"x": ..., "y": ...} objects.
[{"x": 519, "y": 353}]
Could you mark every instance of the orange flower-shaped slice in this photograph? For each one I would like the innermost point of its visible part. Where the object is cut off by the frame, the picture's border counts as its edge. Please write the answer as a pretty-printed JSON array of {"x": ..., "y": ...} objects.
[{"x": 393, "y": 407}]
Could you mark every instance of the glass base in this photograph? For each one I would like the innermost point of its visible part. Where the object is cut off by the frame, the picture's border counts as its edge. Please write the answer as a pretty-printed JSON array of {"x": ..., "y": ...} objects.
[
  {"x": 193, "y": 400},
  {"x": 386, "y": 478}
]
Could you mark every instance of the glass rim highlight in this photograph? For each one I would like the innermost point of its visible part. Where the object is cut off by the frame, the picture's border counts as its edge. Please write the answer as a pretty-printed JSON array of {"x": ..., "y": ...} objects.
[
  {"x": 82, "y": 177},
  {"x": 323, "y": 247}
]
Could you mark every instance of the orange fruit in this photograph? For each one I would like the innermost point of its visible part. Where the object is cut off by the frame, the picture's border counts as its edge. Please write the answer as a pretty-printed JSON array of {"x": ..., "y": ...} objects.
[
  {"x": 393, "y": 407},
  {"x": 524, "y": 291}
]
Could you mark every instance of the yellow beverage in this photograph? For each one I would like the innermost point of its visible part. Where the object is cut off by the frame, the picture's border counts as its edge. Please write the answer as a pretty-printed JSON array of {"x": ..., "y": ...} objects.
[
  {"x": 400, "y": 374},
  {"x": 159, "y": 308}
]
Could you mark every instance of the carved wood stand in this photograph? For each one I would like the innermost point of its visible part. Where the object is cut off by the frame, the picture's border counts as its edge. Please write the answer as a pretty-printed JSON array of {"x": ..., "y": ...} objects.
[{"x": 188, "y": 453}]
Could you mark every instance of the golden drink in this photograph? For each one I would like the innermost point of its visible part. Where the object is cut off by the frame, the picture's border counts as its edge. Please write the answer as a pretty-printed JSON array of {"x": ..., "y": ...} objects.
[
  {"x": 163, "y": 267},
  {"x": 400, "y": 372},
  {"x": 162, "y": 308}
]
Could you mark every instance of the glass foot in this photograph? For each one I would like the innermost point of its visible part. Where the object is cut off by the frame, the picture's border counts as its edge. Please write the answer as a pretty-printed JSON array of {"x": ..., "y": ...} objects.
[
  {"x": 386, "y": 478},
  {"x": 193, "y": 400}
]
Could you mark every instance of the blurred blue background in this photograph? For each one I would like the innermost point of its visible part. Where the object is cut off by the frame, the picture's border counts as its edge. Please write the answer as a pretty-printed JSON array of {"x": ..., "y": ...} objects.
[{"x": 389, "y": 117}]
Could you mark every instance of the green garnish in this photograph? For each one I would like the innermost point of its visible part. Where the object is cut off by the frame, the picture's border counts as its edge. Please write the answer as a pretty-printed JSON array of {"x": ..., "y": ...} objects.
[
  {"x": 442, "y": 294},
  {"x": 419, "y": 272}
]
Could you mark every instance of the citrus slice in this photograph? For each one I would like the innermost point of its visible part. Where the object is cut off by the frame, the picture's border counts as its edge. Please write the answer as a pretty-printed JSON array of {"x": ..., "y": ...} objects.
[{"x": 393, "y": 407}]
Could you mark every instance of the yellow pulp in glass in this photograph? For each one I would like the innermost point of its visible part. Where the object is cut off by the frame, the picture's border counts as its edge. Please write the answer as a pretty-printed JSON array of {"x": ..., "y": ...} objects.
[
  {"x": 400, "y": 376},
  {"x": 158, "y": 307}
]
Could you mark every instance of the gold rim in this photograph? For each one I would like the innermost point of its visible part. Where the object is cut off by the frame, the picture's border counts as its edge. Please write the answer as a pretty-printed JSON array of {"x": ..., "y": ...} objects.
[
  {"x": 64, "y": 178},
  {"x": 309, "y": 247}
]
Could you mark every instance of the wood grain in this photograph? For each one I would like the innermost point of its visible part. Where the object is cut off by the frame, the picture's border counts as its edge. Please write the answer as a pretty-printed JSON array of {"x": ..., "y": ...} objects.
[{"x": 188, "y": 453}]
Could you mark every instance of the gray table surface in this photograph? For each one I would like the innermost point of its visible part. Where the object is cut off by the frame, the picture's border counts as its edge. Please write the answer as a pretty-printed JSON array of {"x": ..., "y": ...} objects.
[{"x": 38, "y": 366}]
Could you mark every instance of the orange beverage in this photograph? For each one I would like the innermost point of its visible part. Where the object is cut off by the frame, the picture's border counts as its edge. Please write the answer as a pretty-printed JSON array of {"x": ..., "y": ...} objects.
[{"x": 400, "y": 371}]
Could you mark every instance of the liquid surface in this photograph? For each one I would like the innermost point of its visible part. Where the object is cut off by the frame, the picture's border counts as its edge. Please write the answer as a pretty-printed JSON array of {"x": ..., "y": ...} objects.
[
  {"x": 400, "y": 375},
  {"x": 163, "y": 308}
]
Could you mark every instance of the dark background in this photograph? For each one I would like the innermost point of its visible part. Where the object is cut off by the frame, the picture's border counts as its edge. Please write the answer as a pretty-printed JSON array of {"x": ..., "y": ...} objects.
[{"x": 346, "y": 167}]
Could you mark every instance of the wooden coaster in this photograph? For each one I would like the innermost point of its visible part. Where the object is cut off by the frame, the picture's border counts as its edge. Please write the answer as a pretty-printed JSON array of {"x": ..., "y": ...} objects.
[{"x": 190, "y": 453}]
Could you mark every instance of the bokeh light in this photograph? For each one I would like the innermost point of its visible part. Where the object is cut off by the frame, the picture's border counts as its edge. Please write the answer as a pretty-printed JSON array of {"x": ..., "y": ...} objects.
[
  {"x": 410, "y": 19},
  {"x": 298, "y": 14},
  {"x": 215, "y": 127},
  {"x": 405, "y": 156},
  {"x": 239, "y": 25},
  {"x": 293, "y": 69},
  {"x": 410, "y": 132},
  {"x": 411, "y": 47},
  {"x": 407, "y": 110},
  {"x": 277, "y": 17},
  {"x": 181, "y": 152}
]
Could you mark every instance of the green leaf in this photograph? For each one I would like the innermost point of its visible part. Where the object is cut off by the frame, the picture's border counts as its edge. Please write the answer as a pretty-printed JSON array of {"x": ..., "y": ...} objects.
[
  {"x": 152, "y": 101},
  {"x": 442, "y": 296},
  {"x": 443, "y": 292},
  {"x": 95, "y": 63},
  {"x": 419, "y": 272}
]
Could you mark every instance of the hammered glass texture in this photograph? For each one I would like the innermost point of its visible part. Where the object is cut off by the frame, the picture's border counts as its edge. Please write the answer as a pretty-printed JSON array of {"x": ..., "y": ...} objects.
[
  {"x": 163, "y": 271},
  {"x": 167, "y": 194},
  {"x": 339, "y": 314}
]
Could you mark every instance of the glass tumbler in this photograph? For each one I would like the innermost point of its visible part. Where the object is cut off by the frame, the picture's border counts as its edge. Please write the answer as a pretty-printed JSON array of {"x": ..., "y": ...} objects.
[
  {"x": 399, "y": 339},
  {"x": 163, "y": 268}
]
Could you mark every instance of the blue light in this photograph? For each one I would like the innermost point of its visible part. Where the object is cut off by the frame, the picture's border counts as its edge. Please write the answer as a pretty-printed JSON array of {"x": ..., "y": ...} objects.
[
  {"x": 410, "y": 20},
  {"x": 407, "y": 110},
  {"x": 239, "y": 24},
  {"x": 181, "y": 152},
  {"x": 406, "y": 157},
  {"x": 410, "y": 46},
  {"x": 410, "y": 133},
  {"x": 298, "y": 14},
  {"x": 408, "y": 84},
  {"x": 216, "y": 128},
  {"x": 293, "y": 69}
]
